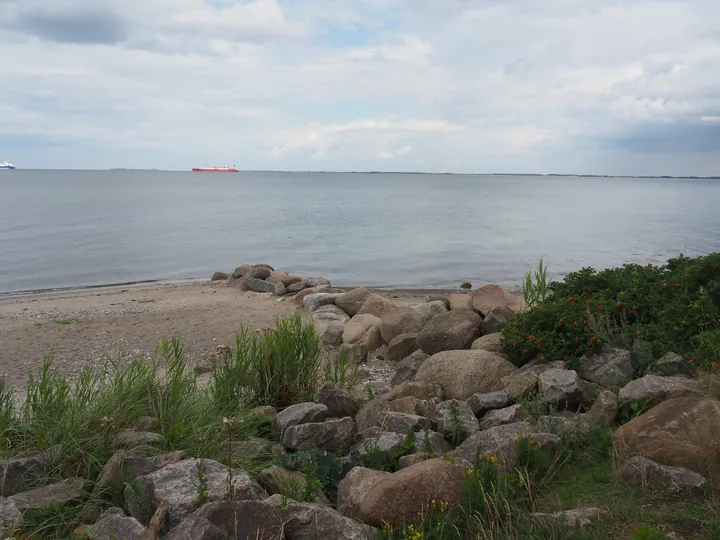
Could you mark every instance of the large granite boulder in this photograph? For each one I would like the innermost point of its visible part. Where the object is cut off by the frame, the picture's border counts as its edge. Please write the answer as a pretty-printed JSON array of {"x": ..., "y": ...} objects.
[
  {"x": 681, "y": 432},
  {"x": 658, "y": 389},
  {"x": 563, "y": 389},
  {"x": 339, "y": 402},
  {"x": 23, "y": 472},
  {"x": 177, "y": 484},
  {"x": 408, "y": 367},
  {"x": 226, "y": 520},
  {"x": 377, "y": 305},
  {"x": 396, "y": 322},
  {"x": 261, "y": 286},
  {"x": 353, "y": 300},
  {"x": 363, "y": 329},
  {"x": 401, "y": 346},
  {"x": 29, "y": 505},
  {"x": 611, "y": 367},
  {"x": 453, "y": 330},
  {"x": 308, "y": 521},
  {"x": 640, "y": 471},
  {"x": 673, "y": 364},
  {"x": 353, "y": 488},
  {"x": 461, "y": 374},
  {"x": 604, "y": 411},
  {"x": 115, "y": 525},
  {"x": 426, "y": 312},
  {"x": 314, "y": 301},
  {"x": 455, "y": 420},
  {"x": 302, "y": 413},
  {"x": 400, "y": 497},
  {"x": 330, "y": 313},
  {"x": 331, "y": 435},
  {"x": 481, "y": 402},
  {"x": 488, "y": 342},
  {"x": 493, "y": 296},
  {"x": 501, "y": 417}
]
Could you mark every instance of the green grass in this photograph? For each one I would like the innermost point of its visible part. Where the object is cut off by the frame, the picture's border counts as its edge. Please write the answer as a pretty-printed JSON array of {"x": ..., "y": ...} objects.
[{"x": 81, "y": 419}]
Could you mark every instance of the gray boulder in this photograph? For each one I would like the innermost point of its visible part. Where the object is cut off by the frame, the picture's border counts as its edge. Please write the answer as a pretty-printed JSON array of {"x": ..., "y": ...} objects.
[
  {"x": 401, "y": 346},
  {"x": 330, "y": 313},
  {"x": 455, "y": 420},
  {"x": 23, "y": 472},
  {"x": 331, "y": 333},
  {"x": 314, "y": 301},
  {"x": 220, "y": 276},
  {"x": 331, "y": 435},
  {"x": 384, "y": 443},
  {"x": 260, "y": 285},
  {"x": 431, "y": 443},
  {"x": 115, "y": 525},
  {"x": 501, "y": 442},
  {"x": 482, "y": 402},
  {"x": 30, "y": 504},
  {"x": 461, "y": 374},
  {"x": 611, "y": 367},
  {"x": 563, "y": 389},
  {"x": 408, "y": 368},
  {"x": 659, "y": 389},
  {"x": 124, "y": 466},
  {"x": 260, "y": 271},
  {"x": 495, "y": 320},
  {"x": 453, "y": 330},
  {"x": 228, "y": 520},
  {"x": 302, "y": 413},
  {"x": 501, "y": 417},
  {"x": 178, "y": 485},
  {"x": 357, "y": 329},
  {"x": 424, "y": 313},
  {"x": 339, "y": 402},
  {"x": 276, "y": 480},
  {"x": 604, "y": 410},
  {"x": 398, "y": 422},
  {"x": 307, "y": 521},
  {"x": 672, "y": 365},
  {"x": 640, "y": 471},
  {"x": 353, "y": 488}
]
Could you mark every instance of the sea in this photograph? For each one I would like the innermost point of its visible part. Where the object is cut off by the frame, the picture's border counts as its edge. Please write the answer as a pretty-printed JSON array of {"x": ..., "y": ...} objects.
[{"x": 76, "y": 229}]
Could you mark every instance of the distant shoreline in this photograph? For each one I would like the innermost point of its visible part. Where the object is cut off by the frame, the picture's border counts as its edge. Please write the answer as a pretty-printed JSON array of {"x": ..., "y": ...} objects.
[{"x": 535, "y": 175}]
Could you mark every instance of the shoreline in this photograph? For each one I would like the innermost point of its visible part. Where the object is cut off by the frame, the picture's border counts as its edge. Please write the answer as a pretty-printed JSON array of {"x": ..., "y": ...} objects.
[{"x": 79, "y": 328}]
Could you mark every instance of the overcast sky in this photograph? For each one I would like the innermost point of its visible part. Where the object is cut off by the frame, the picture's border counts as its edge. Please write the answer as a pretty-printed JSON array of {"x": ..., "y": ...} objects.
[{"x": 587, "y": 86}]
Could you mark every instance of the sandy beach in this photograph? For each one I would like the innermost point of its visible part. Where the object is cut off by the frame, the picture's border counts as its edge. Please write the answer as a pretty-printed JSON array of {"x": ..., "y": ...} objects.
[{"x": 79, "y": 329}]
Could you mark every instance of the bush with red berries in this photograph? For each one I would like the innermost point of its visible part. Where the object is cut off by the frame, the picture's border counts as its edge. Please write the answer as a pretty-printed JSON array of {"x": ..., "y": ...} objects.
[{"x": 675, "y": 307}]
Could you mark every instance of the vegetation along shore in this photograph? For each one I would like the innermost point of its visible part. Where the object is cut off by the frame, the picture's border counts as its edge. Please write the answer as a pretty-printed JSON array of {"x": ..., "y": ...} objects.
[{"x": 278, "y": 407}]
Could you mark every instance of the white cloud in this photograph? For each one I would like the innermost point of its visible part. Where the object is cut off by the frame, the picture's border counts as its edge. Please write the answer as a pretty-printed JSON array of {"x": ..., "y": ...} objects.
[{"x": 566, "y": 85}]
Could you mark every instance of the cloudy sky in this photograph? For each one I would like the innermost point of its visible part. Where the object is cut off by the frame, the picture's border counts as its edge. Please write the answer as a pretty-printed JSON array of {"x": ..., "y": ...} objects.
[{"x": 588, "y": 86}]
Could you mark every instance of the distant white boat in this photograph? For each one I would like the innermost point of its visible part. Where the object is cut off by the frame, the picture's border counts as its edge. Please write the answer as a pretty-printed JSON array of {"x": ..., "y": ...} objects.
[{"x": 6, "y": 165}]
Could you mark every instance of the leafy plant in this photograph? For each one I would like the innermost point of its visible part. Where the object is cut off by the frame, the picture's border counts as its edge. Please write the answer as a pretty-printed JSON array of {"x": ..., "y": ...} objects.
[
  {"x": 536, "y": 286},
  {"x": 645, "y": 532},
  {"x": 343, "y": 371},
  {"x": 459, "y": 433},
  {"x": 667, "y": 306},
  {"x": 203, "y": 496},
  {"x": 633, "y": 408}
]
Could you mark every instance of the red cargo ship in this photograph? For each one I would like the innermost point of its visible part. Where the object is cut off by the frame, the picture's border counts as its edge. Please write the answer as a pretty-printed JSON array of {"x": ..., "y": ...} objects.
[{"x": 215, "y": 169}]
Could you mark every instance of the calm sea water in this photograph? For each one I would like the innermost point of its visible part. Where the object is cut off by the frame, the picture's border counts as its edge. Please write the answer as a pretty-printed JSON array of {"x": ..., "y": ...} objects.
[{"x": 81, "y": 228}]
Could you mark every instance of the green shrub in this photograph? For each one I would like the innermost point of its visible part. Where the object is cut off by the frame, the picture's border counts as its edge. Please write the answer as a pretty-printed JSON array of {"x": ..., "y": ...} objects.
[
  {"x": 668, "y": 306},
  {"x": 328, "y": 469}
]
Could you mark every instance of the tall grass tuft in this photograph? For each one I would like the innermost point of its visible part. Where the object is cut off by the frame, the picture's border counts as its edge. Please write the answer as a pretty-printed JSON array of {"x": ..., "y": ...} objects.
[
  {"x": 279, "y": 367},
  {"x": 536, "y": 287}
]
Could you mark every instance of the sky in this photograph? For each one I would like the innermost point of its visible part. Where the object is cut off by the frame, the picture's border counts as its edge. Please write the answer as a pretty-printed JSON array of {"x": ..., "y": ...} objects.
[{"x": 477, "y": 86}]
